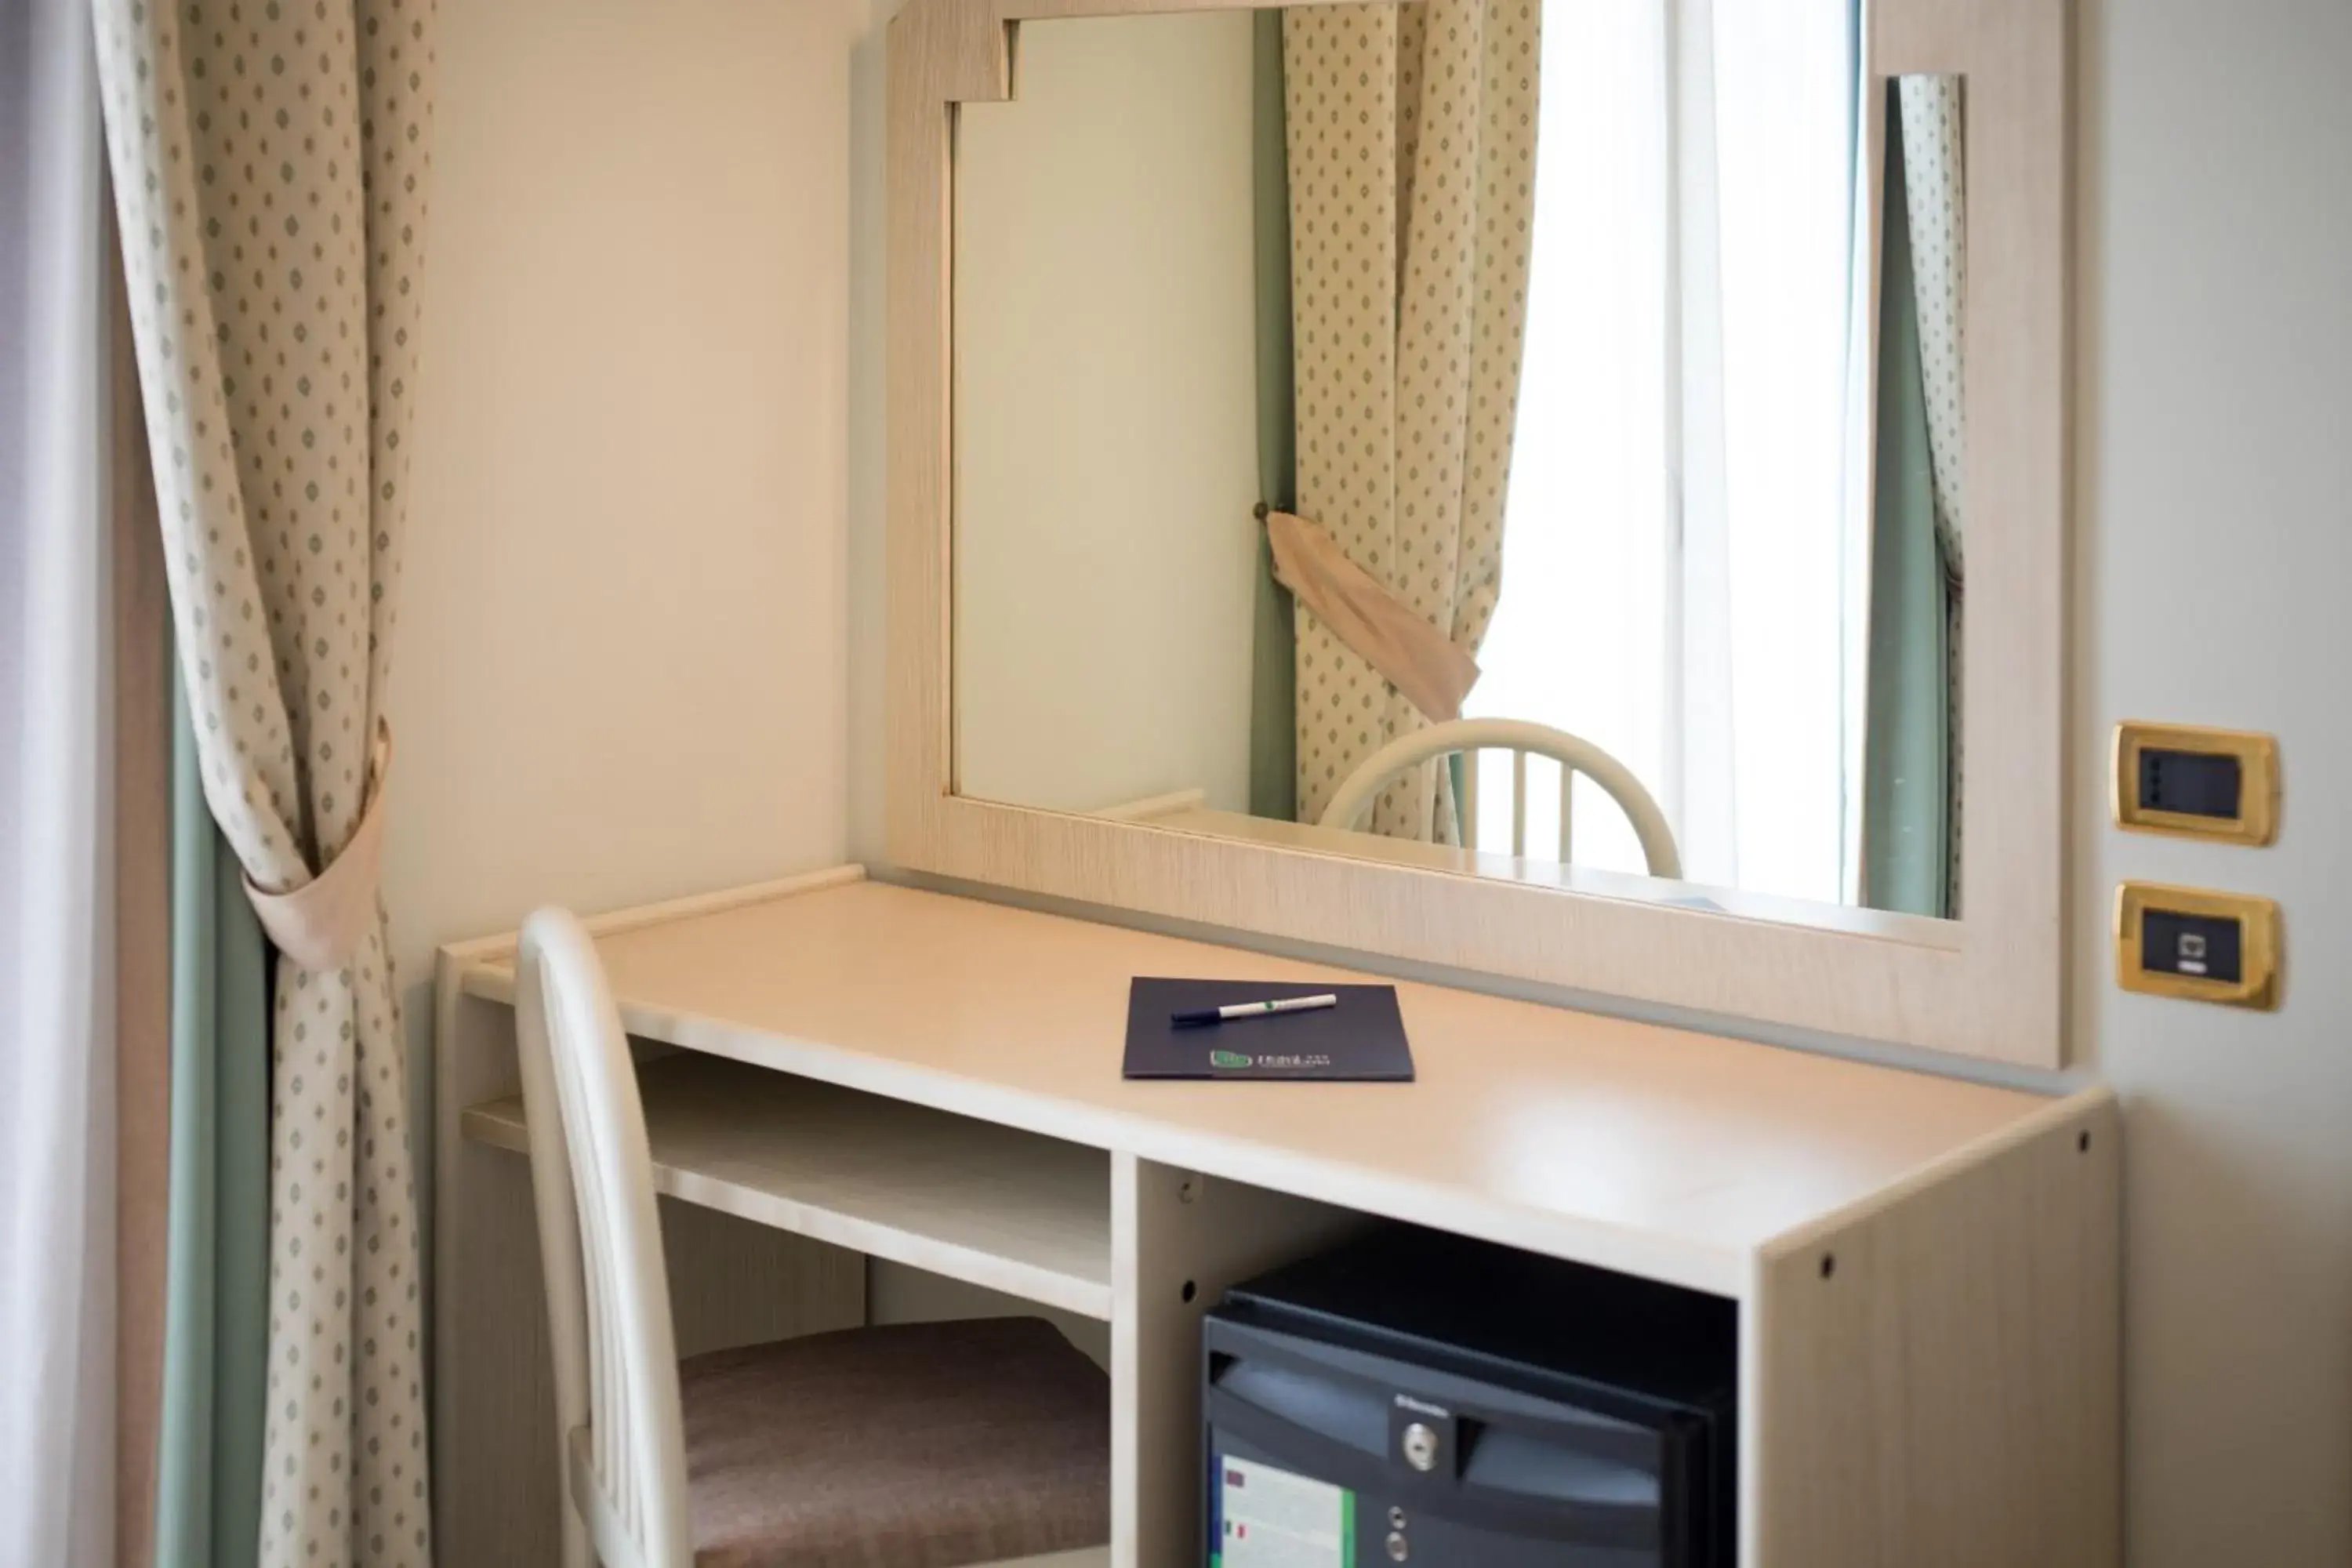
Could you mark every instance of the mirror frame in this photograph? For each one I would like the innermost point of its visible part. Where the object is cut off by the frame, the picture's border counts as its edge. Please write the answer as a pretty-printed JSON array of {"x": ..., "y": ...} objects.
[{"x": 1988, "y": 985}]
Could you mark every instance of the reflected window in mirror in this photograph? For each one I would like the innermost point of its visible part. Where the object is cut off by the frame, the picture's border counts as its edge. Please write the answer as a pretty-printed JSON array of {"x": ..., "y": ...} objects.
[
  {"x": 1595, "y": 368},
  {"x": 1692, "y": 525}
]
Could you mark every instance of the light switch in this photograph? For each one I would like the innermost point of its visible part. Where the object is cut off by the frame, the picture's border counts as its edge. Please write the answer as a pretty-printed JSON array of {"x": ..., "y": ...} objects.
[
  {"x": 2193, "y": 943},
  {"x": 2204, "y": 783}
]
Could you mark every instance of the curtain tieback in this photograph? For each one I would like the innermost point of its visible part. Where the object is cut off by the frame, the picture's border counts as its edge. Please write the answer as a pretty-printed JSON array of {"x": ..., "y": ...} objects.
[
  {"x": 1435, "y": 672},
  {"x": 320, "y": 925}
]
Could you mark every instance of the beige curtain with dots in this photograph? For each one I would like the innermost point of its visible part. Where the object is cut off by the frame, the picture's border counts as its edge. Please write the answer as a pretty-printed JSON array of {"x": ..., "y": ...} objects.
[
  {"x": 271, "y": 161},
  {"x": 1411, "y": 135},
  {"x": 1936, "y": 210}
]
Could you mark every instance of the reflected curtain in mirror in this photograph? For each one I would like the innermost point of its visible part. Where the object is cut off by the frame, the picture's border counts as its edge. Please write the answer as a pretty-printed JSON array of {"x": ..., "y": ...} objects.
[
  {"x": 1911, "y": 780},
  {"x": 1412, "y": 150},
  {"x": 1274, "y": 687}
]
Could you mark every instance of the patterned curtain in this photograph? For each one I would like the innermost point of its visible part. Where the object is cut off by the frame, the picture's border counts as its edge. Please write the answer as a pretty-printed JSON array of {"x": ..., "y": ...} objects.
[
  {"x": 1411, "y": 144},
  {"x": 1937, "y": 213},
  {"x": 270, "y": 169},
  {"x": 1906, "y": 830}
]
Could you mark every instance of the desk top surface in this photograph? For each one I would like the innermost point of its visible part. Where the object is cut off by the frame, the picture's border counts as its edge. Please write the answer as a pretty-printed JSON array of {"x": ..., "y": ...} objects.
[{"x": 1676, "y": 1155}]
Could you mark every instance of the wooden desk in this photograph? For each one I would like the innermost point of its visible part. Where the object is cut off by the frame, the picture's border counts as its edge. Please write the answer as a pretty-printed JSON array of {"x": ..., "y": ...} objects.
[{"x": 1927, "y": 1270}]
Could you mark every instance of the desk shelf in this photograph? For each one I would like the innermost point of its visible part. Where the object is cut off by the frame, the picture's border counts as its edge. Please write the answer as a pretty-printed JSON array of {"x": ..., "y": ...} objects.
[{"x": 988, "y": 1205}]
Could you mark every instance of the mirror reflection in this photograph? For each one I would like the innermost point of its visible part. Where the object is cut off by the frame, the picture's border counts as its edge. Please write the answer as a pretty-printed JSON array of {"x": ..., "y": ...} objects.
[{"x": 1518, "y": 439}]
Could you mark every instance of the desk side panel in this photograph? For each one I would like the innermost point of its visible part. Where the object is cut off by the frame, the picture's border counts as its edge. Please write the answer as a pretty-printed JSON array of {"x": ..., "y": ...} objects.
[
  {"x": 1178, "y": 1240},
  {"x": 1936, "y": 1379}
]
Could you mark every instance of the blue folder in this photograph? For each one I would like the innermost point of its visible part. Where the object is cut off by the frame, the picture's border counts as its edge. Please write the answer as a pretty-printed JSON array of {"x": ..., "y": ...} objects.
[{"x": 1361, "y": 1040}]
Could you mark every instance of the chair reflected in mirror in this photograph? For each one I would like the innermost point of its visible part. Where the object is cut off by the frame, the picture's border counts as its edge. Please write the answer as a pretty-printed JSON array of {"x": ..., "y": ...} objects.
[{"x": 1467, "y": 738}]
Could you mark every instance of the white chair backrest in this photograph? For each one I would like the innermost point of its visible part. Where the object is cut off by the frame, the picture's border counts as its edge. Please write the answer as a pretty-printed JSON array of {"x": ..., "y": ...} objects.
[
  {"x": 1470, "y": 736},
  {"x": 620, "y": 1439}
]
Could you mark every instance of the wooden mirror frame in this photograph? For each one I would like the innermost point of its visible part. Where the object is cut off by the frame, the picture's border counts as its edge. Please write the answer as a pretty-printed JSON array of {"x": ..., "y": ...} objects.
[{"x": 1988, "y": 985}]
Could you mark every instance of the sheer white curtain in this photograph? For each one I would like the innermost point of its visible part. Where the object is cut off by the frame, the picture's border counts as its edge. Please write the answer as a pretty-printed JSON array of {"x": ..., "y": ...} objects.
[
  {"x": 1578, "y": 637},
  {"x": 57, "y": 1047},
  {"x": 1681, "y": 575}
]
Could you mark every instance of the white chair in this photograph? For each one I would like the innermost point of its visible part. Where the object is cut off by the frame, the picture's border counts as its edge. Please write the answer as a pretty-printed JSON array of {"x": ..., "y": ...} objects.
[
  {"x": 1470, "y": 736},
  {"x": 921, "y": 1445}
]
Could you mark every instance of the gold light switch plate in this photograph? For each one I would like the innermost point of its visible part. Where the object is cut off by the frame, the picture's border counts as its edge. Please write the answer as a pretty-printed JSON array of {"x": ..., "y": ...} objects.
[
  {"x": 2255, "y": 755},
  {"x": 2171, "y": 928}
]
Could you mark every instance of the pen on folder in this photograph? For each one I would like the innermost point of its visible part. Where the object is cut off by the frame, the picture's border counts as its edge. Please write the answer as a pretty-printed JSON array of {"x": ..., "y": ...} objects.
[{"x": 1196, "y": 1016}]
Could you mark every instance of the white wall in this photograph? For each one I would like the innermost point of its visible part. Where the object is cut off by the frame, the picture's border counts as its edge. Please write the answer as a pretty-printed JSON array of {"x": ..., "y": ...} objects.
[
  {"x": 2213, "y": 566},
  {"x": 620, "y": 670},
  {"x": 1107, "y": 430},
  {"x": 2213, "y": 551}
]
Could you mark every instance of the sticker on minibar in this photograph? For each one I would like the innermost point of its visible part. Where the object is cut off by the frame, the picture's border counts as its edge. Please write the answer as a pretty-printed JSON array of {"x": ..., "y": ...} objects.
[{"x": 1272, "y": 1519}]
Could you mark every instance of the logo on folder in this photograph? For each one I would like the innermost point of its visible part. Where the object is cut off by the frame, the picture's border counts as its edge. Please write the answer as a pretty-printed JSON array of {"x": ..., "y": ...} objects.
[{"x": 1237, "y": 1061}]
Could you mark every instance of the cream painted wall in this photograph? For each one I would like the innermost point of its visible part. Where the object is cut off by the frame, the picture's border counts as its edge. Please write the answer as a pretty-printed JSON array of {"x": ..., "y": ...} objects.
[
  {"x": 2214, "y": 554},
  {"x": 2213, "y": 562},
  {"x": 621, "y": 666},
  {"x": 1106, "y": 443},
  {"x": 620, "y": 672}
]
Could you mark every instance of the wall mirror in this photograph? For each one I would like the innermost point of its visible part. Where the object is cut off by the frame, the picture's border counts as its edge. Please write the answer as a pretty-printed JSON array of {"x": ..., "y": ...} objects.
[{"x": 1567, "y": 488}]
